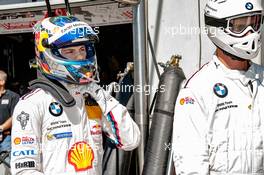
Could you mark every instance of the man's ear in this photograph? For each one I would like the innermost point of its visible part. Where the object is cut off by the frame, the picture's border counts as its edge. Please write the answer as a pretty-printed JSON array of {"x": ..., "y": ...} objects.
[{"x": 2, "y": 82}]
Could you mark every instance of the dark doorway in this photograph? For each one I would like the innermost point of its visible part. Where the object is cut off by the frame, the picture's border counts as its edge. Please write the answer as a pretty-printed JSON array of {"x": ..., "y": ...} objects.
[
  {"x": 15, "y": 52},
  {"x": 114, "y": 50}
]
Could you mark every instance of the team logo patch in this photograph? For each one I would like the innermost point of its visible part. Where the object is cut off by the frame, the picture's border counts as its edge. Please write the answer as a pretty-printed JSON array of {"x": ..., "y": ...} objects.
[
  {"x": 25, "y": 140},
  {"x": 96, "y": 130},
  {"x": 59, "y": 135},
  {"x": 186, "y": 100},
  {"x": 23, "y": 118},
  {"x": 28, "y": 164},
  {"x": 24, "y": 153},
  {"x": 55, "y": 109},
  {"x": 220, "y": 90},
  {"x": 249, "y": 6},
  {"x": 81, "y": 156}
]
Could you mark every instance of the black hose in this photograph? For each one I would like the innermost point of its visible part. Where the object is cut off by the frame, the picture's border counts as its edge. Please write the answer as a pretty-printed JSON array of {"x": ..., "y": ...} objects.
[{"x": 153, "y": 55}]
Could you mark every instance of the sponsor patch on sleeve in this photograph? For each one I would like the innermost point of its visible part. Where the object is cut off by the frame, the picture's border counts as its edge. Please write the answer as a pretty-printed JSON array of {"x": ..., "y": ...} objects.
[
  {"x": 23, "y": 118},
  {"x": 186, "y": 101},
  {"x": 27, "y": 164}
]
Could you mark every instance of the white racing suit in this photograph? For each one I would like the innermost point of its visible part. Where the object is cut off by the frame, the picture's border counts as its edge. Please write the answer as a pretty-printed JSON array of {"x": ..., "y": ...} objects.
[
  {"x": 219, "y": 122},
  {"x": 51, "y": 139}
]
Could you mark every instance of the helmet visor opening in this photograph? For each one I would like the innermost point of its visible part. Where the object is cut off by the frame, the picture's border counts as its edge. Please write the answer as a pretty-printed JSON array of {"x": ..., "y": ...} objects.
[
  {"x": 240, "y": 24},
  {"x": 76, "y": 52}
]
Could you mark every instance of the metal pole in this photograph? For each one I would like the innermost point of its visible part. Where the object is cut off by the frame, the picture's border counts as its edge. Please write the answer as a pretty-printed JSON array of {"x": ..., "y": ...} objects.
[
  {"x": 200, "y": 34},
  {"x": 68, "y": 8},
  {"x": 261, "y": 61},
  {"x": 170, "y": 166},
  {"x": 48, "y": 8},
  {"x": 140, "y": 75}
]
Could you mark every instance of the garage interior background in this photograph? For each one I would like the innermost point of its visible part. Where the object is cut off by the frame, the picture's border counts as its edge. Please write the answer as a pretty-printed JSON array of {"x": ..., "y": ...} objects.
[
  {"x": 111, "y": 21},
  {"x": 176, "y": 27}
]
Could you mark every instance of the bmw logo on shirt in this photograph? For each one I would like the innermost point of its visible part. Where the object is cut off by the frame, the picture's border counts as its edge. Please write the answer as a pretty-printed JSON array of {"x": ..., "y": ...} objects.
[
  {"x": 220, "y": 90},
  {"x": 55, "y": 109}
]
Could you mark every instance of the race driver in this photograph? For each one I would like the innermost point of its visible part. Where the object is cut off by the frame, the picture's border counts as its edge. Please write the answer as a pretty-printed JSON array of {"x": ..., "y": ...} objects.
[
  {"x": 219, "y": 114},
  {"x": 53, "y": 133}
]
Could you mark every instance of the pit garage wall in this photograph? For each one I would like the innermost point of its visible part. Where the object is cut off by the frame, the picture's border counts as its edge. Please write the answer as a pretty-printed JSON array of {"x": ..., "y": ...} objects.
[{"x": 174, "y": 29}]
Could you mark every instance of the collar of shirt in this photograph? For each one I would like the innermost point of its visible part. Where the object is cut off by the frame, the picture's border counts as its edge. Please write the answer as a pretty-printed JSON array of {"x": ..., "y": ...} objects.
[{"x": 244, "y": 76}]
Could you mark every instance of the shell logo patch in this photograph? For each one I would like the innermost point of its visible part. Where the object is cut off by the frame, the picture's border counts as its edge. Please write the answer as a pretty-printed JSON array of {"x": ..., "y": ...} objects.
[
  {"x": 220, "y": 90},
  {"x": 55, "y": 109},
  {"x": 56, "y": 30},
  {"x": 24, "y": 140},
  {"x": 17, "y": 140},
  {"x": 81, "y": 156},
  {"x": 186, "y": 100}
]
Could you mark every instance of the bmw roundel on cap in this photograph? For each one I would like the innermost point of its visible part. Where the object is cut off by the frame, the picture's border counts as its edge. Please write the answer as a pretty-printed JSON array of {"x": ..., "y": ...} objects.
[
  {"x": 220, "y": 90},
  {"x": 55, "y": 109}
]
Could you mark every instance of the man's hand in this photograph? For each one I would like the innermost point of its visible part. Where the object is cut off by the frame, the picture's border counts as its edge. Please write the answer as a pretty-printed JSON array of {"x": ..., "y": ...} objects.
[
  {"x": 103, "y": 98},
  {"x": 7, "y": 124},
  {"x": 94, "y": 89}
]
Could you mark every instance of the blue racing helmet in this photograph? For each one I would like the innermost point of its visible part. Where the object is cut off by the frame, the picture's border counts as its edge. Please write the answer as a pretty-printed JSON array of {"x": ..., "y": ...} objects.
[{"x": 52, "y": 36}]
